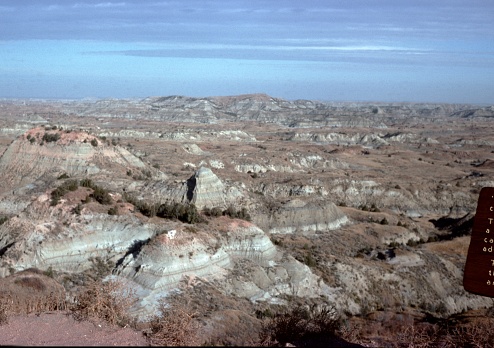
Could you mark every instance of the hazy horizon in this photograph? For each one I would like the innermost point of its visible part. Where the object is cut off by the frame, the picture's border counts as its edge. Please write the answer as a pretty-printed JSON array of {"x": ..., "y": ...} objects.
[
  {"x": 359, "y": 51},
  {"x": 363, "y": 102}
]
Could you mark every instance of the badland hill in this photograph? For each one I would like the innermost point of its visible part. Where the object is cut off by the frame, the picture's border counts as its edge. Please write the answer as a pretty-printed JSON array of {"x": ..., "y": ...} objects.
[{"x": 249, "y": 201}]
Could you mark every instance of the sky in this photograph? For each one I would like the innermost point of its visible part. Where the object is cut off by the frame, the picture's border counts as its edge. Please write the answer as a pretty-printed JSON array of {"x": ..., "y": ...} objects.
[{"x": 347, "y": 50}]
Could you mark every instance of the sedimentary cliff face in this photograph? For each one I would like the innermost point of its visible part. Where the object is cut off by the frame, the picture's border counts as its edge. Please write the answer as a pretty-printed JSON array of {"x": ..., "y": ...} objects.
[
  {"x": 367, "y": 139},
  {"x": 40, "y": 152},
  {"x": 348, "y": 215},
  {"x": 166, "y": 261},
  {"x": 152, "y": 257},
  {"x": 297, "y": 216},
  {"x": 203, "y": 189},
  {"x": 66, "y": 244},
  {"x": 68, "y": 235}
]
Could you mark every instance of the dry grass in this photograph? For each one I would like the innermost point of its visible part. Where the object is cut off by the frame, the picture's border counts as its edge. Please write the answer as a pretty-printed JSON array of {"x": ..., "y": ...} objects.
[
  {"x": 30, "y": 291},
  {"x": 13, "y": 304},
  {"x": 475, "y": 334},
  {"x": 431, "y": 336},
  {"x": 31, "y": 282},
  {"x": 448, "y": 333},
  {"x": 457, "y": 246}
]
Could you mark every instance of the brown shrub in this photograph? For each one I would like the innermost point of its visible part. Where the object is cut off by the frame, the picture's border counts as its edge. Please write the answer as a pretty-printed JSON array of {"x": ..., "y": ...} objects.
[
  {"x": 4, "y": 317},
  {"x": 108, "y": 301},
  {"x": 173, "y": 327},
  {"x": 351, "y": 332},
  {"x": 300, "y": 322},
  {"x": 420, "y": 336},
  {"x": 474, "y": 334}
]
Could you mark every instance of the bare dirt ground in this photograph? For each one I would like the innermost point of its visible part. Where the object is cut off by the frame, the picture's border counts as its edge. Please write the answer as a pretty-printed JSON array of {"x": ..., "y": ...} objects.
[{"x": 61, "y": 329}]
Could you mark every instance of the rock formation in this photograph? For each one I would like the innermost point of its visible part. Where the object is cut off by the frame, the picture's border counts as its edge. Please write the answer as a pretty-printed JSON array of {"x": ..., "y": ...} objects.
[
  {"x": 163, "y": 263},
  {"x": 203, "y": 189},
  {"x": 43, "y": 152},
  {"x": 297, "y": 216},
  {"x": 346, "y": 215},
  {"x": 258, "y": 108},
  {"x": 52, "y": 236}
]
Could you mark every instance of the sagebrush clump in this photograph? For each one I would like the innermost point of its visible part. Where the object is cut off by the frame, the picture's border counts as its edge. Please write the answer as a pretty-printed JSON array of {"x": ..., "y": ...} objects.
[
  {"x": 108, "y": 301},
  {"x": 173, "y": 326},
  {"x": 300, "y": 322},
  {"x": 99, "y": 194}
]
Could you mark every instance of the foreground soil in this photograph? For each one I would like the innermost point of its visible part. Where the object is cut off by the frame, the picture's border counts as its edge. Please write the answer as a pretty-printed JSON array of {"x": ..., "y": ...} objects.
[{"x": 61, "y": 329}]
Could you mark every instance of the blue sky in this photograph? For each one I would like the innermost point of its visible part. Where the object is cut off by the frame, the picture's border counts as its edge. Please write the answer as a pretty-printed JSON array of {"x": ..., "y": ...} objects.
[{"x": 382, "y": 50}]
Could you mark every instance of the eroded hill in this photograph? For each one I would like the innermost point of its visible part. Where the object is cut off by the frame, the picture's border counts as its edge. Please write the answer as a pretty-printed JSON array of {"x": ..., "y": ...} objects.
[{"x": 343, "y": 200}]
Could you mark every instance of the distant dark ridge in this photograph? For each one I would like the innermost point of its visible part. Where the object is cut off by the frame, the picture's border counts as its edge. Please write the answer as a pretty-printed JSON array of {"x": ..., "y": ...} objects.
[{"x": 258, "y": 107}]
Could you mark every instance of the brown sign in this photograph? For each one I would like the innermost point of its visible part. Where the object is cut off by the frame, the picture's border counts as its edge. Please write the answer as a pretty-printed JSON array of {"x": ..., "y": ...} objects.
[{"x": 479, "y": 268}]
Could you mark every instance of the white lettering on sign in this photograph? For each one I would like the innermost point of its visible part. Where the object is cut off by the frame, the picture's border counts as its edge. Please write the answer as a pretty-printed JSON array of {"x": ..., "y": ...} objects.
[{"x": 479, "y": 268}]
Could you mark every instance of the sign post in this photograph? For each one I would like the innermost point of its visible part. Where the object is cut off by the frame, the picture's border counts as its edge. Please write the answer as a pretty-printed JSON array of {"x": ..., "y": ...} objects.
[{"x": 478, "y": 277}]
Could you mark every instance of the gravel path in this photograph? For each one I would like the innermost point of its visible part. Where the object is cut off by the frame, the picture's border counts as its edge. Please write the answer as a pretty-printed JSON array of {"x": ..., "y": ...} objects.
[{"x": 60, "y": 329}]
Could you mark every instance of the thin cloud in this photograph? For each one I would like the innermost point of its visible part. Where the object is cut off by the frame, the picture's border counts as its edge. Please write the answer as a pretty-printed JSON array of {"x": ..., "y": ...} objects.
[
  {"x": 373, "y": 54},
  {"x": 367, "y": 36},
  {"x": 99, "y": 5},
  {"x": 223, "y": 47}
]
